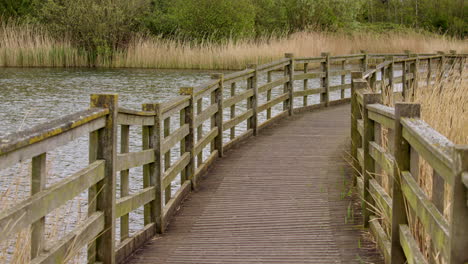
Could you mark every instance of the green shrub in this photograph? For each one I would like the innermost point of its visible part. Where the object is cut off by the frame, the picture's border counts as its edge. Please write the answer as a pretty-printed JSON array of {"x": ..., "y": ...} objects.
[{"x": 99, "y": 26}]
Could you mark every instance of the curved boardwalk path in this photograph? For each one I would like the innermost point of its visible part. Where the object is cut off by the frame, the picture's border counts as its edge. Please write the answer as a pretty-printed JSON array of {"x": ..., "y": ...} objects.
[{"x": 276, "y": 198}]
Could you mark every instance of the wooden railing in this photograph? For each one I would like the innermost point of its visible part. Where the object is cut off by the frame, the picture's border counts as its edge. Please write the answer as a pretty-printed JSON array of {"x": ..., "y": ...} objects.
[
  {"x": 216, "y": 104},
  {"x": 409, "y": 139}
]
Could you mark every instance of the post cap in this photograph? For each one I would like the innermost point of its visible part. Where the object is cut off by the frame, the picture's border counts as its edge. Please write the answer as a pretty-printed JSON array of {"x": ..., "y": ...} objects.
[
  {"x": 289, "y": 55},
  {"x": 325, "y": 54}
]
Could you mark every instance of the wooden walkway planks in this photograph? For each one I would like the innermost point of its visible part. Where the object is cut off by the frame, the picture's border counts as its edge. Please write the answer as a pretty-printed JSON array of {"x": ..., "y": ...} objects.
[{"x": 274, "y": 199}]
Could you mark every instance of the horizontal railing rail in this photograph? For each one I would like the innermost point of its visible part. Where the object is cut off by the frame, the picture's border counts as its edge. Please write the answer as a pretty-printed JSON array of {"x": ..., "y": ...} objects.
[
  {"x": 409, "y": 139},
  {"x": 212, "y": 118}
]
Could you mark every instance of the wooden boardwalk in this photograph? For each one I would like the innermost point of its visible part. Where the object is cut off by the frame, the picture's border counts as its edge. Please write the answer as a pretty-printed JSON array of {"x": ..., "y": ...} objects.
[{"x": 276, "y": 198}]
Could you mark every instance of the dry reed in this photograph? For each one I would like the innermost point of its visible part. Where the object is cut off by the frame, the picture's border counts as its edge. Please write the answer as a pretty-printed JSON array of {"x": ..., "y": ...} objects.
[{"x": 31, "y": 46}]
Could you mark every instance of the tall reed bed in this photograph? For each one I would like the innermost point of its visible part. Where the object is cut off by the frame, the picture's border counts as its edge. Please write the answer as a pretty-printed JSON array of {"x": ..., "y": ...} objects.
[{"x": 31, "y": 46}]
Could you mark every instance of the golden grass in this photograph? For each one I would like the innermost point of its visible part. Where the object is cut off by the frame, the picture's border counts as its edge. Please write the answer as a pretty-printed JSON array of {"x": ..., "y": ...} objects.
[{"x": 31, "y": 46}]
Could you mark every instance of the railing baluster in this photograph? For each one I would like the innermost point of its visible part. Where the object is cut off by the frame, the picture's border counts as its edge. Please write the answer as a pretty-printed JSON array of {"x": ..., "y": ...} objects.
[
  {"x": 364, "y": 61},
  {"x": 167, "y": 159},
  {"x": 200, "y": 130},
  {"x": 38, "y": 183},
  {"x": 343, "y": 78},
  {"x": 124, "y": 178},
  {"x": 269, "y": 79},
  {"x": 103, "y": 194},
  {"x": 356, "y": 139},
  {"x": 233, "y": 111}
]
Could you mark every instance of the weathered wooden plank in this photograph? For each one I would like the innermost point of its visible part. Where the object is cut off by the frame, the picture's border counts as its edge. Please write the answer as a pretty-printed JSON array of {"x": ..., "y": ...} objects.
[
  {"x": 48, "y": 130},
  {"x": 238, "y": 98},
  {"x": 435, "y": 148},
  {"x": 276, "y": 65},
  {"x": 38, "y": 184},
  {"x": 205, "y": 90},
  {"x": 39, "y": 205},
  {"x": 309, "y": 75},
  {"x": 125, "y": 179},
  {"x": 312, "y": 107},
  {"x": 203, "y": 142},
  {"x": 132, "y": 202},
  {"x": 339, "y": 72},
  {"x": 238, "y": 119},
  {"x": 34, "y": 144},
  {"x": 340, "y": 87},
  {"x": 432, "y": 220},
  {"x": 360, "y": 126},
  {"x": 382, "y": 157},
  {"x": 308, "y": 60},
  {"x": 174, "y": 138},
  {"x": 360, "y": 156},
  {"x": 383, "y": 120},
  {"x": 206, "y": 114},
  {"x": 174, "y": 106},
  {"x": 175, "y": 202},
  {"x": 135, "y": 112},
  {"x": 273, "y": 120},
  {"x": 238, "y": 76},
  {"x": 134, "y": 159},
  {"x": 309, "y": 92},
  {"x": 72, "y": 243},
  {"x": 383, "y": 110},
  {"x": 130, "y": 245},
  {"x": 175, "y": 169},
  {"x": 272, "y": 84},
  {"x": 359, "y": 184},
  {"x": 381, "y": 198},
  {"x": 134, "y": 120},
  {"x": 273, "y": 102},
  {"x": 203, "y": 168},
  {"x": 383, "y": 241},
  {"x": 410, "y": 247},
  {"x": 234, "y": 142}
]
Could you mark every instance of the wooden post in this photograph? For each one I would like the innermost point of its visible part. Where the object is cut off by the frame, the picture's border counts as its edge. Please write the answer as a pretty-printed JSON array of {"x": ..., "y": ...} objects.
[
  {"x": 325, "y": 97},
  {"x": 190, "y": 138},
  {"x": 414, "y": 69},
  {"x": 343, "y": 78},
  {"x": 156, "y": 168},
  {"x": 38, "y": 184},
  {"x": 364, "y": 61},
  {"x": 356, "y": 139},
  {"x": 252, "y": 102},
  {"x": 402, "y": 154},
  {"x": 233, "y": 108},
  {"x": 306, "y": 84},
  {"x": 289, "y": 86},
  {"x": 404, "y": 80},
  {"x": 219, "y": 115},
  {"x": 441, "y": 65},
  {"x": 373, "y": 82},
  {"x": 269, "y": 80},
  {"x": 369, "y": 165},
  {"x": 429, "y": 72},
  {"x": 391, "y": 76},
  {"x": 106, "y": 149},
  {"x": 124, "y": 178},
  {"x": 458, "y": 222},
  {"x": 167, "y": 158},
  {"x": 199, "y": 104}
]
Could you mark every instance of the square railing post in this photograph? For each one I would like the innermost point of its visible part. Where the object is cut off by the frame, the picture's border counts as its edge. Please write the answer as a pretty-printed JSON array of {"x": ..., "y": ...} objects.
[
  {"x": 154, "y": 210},
  {"x": 190, "y": 138},
  {"x": 103, "y": 146},
  {"x": 325, "y": 97},
  {"x": 364, "y": 61},
  {"x": 459, "y": 207},
  {"x": 368, "y": 169},
  {"x": 252, "y": 102},
  {"x": 289, "y": 86},
  {"x": 218, "y": 118},
  {"x": 402, "y": 154},
  {"x": 356, "y": 140}
]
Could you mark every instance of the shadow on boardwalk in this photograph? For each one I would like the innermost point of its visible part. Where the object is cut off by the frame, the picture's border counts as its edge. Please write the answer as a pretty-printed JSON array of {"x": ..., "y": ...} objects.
[{"x": 277, "y": 198}]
